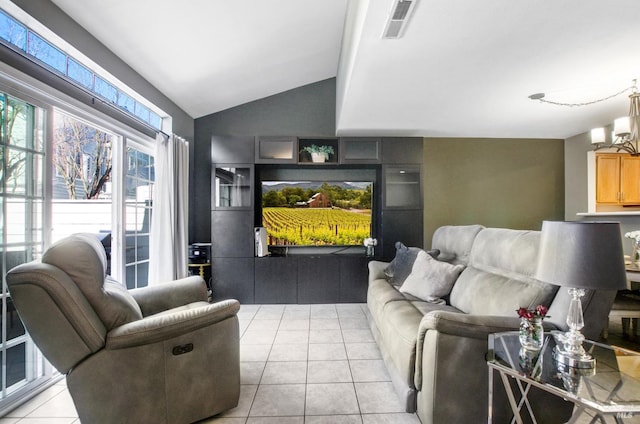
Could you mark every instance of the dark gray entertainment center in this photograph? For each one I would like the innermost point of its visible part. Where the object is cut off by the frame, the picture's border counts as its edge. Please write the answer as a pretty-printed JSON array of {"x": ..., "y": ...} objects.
[{"x": 308, "y": 275}]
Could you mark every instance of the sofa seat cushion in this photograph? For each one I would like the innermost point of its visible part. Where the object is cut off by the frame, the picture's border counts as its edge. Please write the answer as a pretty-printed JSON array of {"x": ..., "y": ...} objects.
[{"x": 379, "y": 293}]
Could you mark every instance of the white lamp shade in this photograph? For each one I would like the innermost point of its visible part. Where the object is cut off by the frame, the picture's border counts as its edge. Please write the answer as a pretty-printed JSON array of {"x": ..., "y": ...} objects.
[
  {"x": 597, "y": 135},
  {"x": 621, "y": 126}
]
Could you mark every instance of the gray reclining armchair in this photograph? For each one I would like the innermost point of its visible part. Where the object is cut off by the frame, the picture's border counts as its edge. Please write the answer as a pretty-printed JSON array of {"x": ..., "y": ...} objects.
[{"x": 159, "y": 354}]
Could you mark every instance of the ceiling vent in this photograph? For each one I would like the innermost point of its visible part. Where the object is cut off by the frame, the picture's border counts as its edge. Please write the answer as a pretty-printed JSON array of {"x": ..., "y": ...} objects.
[{"x": 397, "y": 22}]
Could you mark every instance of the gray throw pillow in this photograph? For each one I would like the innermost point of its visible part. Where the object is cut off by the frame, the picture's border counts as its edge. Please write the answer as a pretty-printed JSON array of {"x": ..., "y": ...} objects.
[
  {"x": 400, "y": 267},
  {"x": 430, "y": 279}
]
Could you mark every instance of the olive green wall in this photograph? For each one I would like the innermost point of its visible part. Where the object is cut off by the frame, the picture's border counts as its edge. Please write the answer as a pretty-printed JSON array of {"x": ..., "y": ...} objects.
[{"x": 508, "y": 183}]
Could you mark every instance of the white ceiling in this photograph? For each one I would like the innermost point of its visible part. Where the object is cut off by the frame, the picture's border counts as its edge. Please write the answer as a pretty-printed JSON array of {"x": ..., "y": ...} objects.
[{"x": 464, "y": 68}]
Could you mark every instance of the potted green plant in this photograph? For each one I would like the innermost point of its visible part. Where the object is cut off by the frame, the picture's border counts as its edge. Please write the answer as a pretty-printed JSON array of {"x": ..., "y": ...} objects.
[{"x": 318, "y": 153}]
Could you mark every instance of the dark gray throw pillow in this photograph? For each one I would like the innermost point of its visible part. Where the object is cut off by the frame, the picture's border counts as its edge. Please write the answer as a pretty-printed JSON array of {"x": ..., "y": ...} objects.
[{"x": 402, "y": 264}]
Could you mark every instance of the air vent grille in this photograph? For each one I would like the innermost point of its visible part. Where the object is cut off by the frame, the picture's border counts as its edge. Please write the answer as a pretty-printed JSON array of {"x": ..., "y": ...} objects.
[
  {"x": 402, "y": 9},
  {"x": 396, "y": 24}
]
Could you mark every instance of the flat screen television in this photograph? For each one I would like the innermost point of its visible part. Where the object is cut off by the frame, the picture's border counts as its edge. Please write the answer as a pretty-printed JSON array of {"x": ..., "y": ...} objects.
[{"x": 317, "y": 213}]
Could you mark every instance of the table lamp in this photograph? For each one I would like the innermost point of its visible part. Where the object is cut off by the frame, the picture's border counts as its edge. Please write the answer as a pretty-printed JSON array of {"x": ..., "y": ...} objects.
[{"x": 580, "y": 255}]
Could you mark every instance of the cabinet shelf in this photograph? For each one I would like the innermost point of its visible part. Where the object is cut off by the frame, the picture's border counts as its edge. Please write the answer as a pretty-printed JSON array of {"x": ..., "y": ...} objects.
[
  {"x": 402, "y": 186},
  {"x": 305, "y": 158}
]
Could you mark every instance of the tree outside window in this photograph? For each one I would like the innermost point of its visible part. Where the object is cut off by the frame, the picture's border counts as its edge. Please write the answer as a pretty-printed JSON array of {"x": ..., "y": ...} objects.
[{"x": 82, "y": 158}]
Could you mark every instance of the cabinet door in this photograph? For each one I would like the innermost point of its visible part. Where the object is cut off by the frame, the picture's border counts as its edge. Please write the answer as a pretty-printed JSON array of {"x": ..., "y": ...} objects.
[
  {"x": 318, "y": 279},
  {"x": 630, "y": 180},
  {"x": 232, "y": 234},
  {"x": 232, "y": 278},
  {"x": 276, "y": 280},
  {"x": 360, "y": 150},
  {"x": 276, "y": 149},
  {"x": 607, "y": 178},
  {"x": 353, "y": 279},
  {"x": 232, "y": 186}
]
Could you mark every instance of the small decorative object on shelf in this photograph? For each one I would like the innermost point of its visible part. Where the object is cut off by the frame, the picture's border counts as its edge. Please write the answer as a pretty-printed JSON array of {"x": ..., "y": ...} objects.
[
  {"x": 531, "y": 332},
  {"x": 318, "y": 153},
  {"x": 370, "y": 244},
  {"x": 635, "y": 246}
]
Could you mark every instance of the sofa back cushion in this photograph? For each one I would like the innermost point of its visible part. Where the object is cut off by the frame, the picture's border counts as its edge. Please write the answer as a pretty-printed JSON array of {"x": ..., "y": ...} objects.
[
  {"x": 499, "y": 276},
  {"x": 455, "y": 242}
]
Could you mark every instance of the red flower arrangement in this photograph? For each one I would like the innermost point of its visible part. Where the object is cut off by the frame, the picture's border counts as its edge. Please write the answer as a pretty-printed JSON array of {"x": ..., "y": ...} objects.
[{"x": 539, "y": 312}]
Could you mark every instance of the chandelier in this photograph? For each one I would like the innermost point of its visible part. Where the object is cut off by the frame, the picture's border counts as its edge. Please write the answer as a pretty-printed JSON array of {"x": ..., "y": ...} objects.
[{"x": 626, "y": 130}]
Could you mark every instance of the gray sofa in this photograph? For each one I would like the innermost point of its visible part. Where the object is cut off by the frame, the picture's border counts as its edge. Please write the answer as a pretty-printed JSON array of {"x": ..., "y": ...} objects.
[{"x": 435, "y": 351}]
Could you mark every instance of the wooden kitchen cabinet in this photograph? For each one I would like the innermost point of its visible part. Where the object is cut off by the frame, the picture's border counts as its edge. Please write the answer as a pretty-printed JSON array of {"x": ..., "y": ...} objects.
[{"x": 617, "y": 179}]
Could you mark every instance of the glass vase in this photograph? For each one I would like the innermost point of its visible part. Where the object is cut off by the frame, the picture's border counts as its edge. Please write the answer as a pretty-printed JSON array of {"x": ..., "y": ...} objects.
[
  {"x": 531, "y": 333},
  {"x": 370, "y": 251},
  {"x": 530, "y": 362}
]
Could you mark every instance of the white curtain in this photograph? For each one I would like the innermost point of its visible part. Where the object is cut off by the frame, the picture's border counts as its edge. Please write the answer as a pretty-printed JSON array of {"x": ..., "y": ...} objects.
[{"x": 169, "y": 216}]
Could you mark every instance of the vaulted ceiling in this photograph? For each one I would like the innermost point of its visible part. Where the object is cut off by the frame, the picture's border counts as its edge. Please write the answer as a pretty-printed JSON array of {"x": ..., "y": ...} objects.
[{"x": 463, "y": 68}]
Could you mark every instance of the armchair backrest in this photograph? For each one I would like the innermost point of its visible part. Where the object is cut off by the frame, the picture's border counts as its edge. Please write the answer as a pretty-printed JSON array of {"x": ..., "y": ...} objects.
[
  {"x": 82, "y": 257},
  {"x": 66, "y": 301}
]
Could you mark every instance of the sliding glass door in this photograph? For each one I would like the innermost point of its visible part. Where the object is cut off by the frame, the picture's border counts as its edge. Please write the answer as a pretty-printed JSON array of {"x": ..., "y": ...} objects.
[{"x": 62, "y": 172}]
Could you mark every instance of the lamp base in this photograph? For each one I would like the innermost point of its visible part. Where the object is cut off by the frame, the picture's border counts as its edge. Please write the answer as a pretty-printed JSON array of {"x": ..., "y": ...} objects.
[{"x": 573, "y": 360}]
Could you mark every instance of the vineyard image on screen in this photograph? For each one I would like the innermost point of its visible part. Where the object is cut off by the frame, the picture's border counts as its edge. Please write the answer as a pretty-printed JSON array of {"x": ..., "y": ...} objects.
[{"x": 315, "y": 213}]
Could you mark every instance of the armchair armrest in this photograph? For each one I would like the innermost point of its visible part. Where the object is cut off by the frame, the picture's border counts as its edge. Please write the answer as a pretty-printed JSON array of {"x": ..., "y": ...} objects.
[
  {"x": 166, "y": 326},
  {"x": 376, "y": 269},
  {"x": 171, "y": 294}
]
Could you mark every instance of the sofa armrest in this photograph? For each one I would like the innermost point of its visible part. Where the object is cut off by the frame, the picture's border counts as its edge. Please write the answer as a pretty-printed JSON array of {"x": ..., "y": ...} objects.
[
  {"x": 462, "y": 325},
  {"x": 467, "y": 325},
  {"x": 376, "y": 270},
  {"x": 166, "y": 326},
  {"x": 163, "y": 296}
]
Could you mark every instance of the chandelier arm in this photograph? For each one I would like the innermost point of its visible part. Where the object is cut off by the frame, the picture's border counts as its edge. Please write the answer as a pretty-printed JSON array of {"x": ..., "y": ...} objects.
[{"x": 632, "y": 88}]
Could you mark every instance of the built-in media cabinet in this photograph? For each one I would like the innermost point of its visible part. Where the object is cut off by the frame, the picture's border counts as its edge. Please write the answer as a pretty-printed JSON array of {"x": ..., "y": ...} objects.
[{"x": 308, "y": 275}]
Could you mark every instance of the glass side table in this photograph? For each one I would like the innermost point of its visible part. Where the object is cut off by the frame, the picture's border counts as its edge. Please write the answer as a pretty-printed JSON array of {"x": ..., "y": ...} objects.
[{"x": 611, "y": 390}]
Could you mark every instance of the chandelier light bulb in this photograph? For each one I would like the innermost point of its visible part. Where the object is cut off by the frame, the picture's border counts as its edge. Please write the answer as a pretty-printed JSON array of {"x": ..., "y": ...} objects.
[
  {"x": 621, "y": 126},
  {"x": 597, "y": 135}
]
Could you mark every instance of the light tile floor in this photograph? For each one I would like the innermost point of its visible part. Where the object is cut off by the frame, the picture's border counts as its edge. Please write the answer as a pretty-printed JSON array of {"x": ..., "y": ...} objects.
[{"x": 300, "y": 364}]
